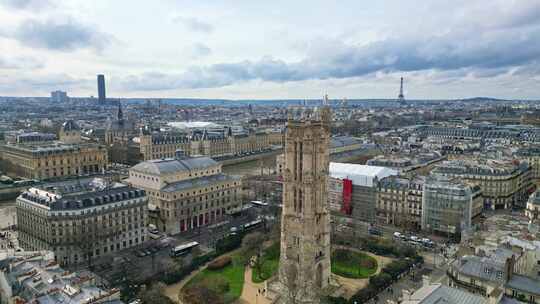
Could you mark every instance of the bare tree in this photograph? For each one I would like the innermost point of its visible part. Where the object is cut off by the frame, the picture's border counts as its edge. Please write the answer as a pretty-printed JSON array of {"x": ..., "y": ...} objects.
[
  {"x": 253, "y": 242},
  {"x": 154, "y": 294}
]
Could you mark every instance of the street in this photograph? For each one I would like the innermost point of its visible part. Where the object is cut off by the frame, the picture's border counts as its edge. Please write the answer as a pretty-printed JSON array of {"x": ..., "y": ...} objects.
[{"x": 127, "y": 264}]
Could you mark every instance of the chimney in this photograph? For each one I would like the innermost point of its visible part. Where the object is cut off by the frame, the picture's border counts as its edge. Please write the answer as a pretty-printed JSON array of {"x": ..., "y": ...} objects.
[
  {"x": 179, "y": 154},
  {"x": 509, "y": 267}
]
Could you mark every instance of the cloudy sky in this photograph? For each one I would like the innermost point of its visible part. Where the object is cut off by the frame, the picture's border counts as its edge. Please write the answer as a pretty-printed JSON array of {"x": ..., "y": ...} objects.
[{"x": 271, "y": 49}]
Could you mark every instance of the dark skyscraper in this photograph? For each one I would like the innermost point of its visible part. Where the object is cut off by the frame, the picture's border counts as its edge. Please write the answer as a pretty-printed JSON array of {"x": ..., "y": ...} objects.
[{"x": 101, "y": 88}]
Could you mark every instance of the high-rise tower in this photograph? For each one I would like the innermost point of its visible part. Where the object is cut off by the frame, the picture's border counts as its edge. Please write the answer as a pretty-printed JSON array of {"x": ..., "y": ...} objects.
[
  {"x": 101, "y": 88},
  {"x": 304, "y": 267},
  {"x": 401, "y": 97}
]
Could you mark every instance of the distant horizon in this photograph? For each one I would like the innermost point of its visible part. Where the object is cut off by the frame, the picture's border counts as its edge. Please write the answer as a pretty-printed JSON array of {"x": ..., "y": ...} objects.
[
  {"x": 281, "y": 99},
  {"x": 242, "y": 50}
]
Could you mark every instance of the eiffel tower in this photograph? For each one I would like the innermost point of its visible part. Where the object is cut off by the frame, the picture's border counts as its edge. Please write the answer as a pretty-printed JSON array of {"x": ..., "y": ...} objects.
[{"x": 401, "y": 97}]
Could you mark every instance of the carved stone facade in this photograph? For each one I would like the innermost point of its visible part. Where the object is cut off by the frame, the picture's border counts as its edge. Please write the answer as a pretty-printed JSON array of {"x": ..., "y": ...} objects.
[
  {"x": 304, "y": 269},
  {"x": 51, "y": 159},
  {"x": 217, "y": 145}
]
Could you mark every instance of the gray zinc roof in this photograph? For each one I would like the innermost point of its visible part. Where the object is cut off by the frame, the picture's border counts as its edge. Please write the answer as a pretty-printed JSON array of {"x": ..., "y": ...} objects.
[
  {"x": 166, "y": 166},
  {"x": 481, "y": 268},
  {"x": 199, "y": 182},
  {"x": 524, "y": 283},
  {"x": 448, "y": 295}
]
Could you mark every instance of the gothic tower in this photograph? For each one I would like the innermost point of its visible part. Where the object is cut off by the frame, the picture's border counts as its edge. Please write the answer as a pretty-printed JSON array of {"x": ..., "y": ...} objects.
[{"x": 304, "y": 268}]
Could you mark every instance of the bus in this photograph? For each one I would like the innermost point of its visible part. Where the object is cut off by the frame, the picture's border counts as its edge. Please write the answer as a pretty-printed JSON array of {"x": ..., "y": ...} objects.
[
  {"x": 183, "y": 249},
  {"x": 252, "y": 225},
  {"x": 239, "y": 210},
  {"x": 259, "y": 204}
]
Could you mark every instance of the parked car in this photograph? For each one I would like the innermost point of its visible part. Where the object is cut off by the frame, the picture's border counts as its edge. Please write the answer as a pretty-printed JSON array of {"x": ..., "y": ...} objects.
[
  {"x": 374, "y": 231},
  {"x": 398, "y": 235},
  {"x": 428, "y": 243}
]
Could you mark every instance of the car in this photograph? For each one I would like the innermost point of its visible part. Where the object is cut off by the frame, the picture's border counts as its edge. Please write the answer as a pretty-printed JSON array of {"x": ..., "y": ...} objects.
[
  {"x": 414, "y": 238},
  {"x": 153, "y": 249},
  {"x": 427, "y": 242},
  {"x": 148, "y": 252},
  {"x": 374, "y": 231},
  {"x": 398, "y": 235},
  {"x": 140, "y": 253}
]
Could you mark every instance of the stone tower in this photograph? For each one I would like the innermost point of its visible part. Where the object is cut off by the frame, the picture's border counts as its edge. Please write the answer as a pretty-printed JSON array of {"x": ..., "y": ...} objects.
[
  {"x": 304, "y": 267},
  {"x": 70, "y": 133}
]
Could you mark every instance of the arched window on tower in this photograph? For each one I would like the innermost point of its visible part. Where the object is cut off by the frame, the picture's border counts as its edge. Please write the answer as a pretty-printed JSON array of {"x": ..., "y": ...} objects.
[{"x": 300, "y": 201}]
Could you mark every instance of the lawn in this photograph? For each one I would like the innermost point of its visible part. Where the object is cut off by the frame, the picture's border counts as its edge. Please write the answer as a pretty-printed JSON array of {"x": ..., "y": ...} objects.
[
  {"x": 233, "y": 274},
  {"x": 269, "y": 264},
  {"x": 352, "y": 264}
]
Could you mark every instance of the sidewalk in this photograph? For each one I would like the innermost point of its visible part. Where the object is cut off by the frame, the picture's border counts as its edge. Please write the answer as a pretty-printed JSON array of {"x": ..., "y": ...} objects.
[{"x": 250, "y": 291}]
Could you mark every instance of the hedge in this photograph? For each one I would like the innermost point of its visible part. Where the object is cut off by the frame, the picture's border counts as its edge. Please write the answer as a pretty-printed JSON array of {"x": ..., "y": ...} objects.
[{"x": 220, "y": 263}]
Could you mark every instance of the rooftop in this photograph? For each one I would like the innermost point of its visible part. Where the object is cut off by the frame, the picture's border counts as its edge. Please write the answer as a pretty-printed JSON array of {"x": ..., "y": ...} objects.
[
  {"x": 361, "y": 175},
  {"x": 480, "y": 167},
  {"x": 524, "y": 283},
  {"x": 36, "y": 277},
  {"x": 51, "y": 147},
  {"x": 80, "y": 194},
  {"x": 441, "y": 294},
  {"x": 193, "y": 124},
  {"x": 172, "y": 165},
  {"x": 199, "y": 182},
  {"x": 343, "y": 141},
  {"x": 481, "y": 268}
]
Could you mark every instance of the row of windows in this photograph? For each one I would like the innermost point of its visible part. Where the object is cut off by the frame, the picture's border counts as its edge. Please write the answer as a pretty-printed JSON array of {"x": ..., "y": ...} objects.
[
  {"x": 175, "y": 196},
  {"x": 75, "y": 161}
]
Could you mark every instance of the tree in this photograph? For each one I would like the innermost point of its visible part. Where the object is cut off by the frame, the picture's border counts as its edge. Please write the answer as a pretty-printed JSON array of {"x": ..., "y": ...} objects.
[
  {"x": 154, "y": 294},
  {"x": 253, "y": 242},
  {"x": 199, "y": 294}
]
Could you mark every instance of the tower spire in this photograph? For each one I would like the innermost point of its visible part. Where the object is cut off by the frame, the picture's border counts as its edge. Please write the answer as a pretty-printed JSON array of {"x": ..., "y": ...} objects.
[
  {"x": 120, "y": 114},
  {"x": 401, "y": 97}
]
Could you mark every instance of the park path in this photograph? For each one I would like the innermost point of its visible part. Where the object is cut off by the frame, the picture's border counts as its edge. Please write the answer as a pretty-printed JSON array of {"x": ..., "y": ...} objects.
[
  {"x": 348, "y": 287},
  {"x": 250, "y": 291},
  {"x": 172, "y": 291}
]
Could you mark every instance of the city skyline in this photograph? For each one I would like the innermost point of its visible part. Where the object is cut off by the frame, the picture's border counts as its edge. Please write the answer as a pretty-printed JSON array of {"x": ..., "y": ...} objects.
[{"x": 243, "y": 50}]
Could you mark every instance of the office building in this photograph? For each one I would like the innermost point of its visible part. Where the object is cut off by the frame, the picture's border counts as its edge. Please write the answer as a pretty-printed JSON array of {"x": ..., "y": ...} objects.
[
  {"x": 102, "y": 98},
  {"x": 504, "y": 183},
  {"x": 186, "y": 193},
  {"x": 353, "y": 189},
  {"x": 532, "y": 156},
  {"x": 36, "y": 158},
  {"x": 532, "y": 211},
  {"x": 450, "y": 207},
  {"x": 59, "y": 96},
  {"x": 220, "y": 144},
  {"x": 399, "y": 201},
  {"x": 81, "y": 219}
]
